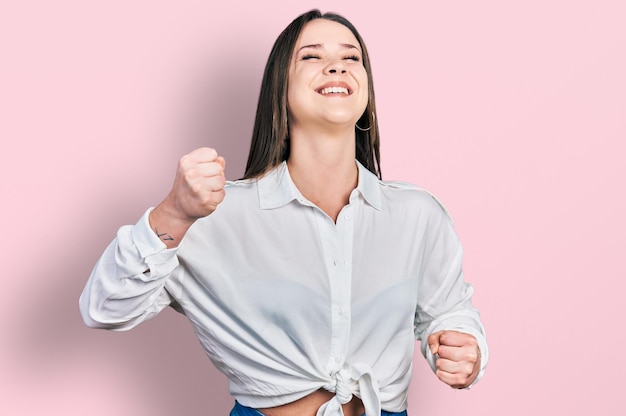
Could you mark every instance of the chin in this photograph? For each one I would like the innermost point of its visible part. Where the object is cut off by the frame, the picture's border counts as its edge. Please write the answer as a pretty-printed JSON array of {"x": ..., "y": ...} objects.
[{"x": 340, "y": 119}]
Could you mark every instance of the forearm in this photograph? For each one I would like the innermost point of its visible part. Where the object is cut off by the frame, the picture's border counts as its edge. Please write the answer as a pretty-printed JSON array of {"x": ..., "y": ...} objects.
[
  {"x": 445, "y": 307},
  {"x": 127, "y": 284},
  {"x": 167, "y": 223}
]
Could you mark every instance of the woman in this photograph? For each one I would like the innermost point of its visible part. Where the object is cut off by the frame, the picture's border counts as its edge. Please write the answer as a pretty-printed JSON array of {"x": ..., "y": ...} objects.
[{"x": 310, "y": 283}]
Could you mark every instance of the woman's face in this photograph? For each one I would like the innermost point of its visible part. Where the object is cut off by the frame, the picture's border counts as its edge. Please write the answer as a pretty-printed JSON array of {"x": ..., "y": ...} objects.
[{"x": 327, "y": 80}]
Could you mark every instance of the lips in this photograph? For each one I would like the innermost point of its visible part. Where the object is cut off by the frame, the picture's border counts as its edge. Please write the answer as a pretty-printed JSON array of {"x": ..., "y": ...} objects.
[{"x": 335, "y": 88}]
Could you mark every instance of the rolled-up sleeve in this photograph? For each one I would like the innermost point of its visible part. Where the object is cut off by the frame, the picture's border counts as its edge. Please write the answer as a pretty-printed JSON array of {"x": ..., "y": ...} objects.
[
  {"x": 444, "y": 298},
  {"x": 127, "y": 284}
]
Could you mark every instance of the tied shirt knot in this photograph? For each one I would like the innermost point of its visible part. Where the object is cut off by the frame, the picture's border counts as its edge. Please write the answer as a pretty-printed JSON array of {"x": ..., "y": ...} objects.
[{"x": 355, "y": 380}]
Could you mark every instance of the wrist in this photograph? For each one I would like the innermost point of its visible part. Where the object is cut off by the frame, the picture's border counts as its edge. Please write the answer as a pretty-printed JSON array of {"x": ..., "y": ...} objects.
[{"x": 167, "y": 223}]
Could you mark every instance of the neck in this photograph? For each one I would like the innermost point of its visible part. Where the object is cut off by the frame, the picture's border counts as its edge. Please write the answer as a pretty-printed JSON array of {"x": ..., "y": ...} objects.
[{"x": 323, "y": 168}]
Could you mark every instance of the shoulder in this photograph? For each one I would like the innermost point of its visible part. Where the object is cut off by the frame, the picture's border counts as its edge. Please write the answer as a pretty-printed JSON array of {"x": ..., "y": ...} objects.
[
  {"x": 240, "y": 196},
  {"x": 398, "y": 193},
  {"x": 241, "y": 188},
  {"x": 240, "y": 184},
  {"x": 239, "y": 207}
]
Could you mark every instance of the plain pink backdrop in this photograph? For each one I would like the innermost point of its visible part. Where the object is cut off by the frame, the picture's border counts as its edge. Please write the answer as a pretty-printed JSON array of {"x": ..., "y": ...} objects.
[{"x": 513, "y": 113}]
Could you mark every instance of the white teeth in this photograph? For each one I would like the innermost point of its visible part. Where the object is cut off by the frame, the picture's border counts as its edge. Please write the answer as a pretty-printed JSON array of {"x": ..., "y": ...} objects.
[{"x": 334, "y": 90}]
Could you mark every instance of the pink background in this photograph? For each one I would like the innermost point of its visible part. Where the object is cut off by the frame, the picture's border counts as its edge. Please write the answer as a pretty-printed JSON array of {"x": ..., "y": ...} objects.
[{"x": 513, "y": 113}]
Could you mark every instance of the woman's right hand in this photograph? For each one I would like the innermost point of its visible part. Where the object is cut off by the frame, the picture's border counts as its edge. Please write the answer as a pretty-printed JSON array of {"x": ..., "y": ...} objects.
[
  {"x": 199, "y": 184},
  {"x": 197, "y": 191}
]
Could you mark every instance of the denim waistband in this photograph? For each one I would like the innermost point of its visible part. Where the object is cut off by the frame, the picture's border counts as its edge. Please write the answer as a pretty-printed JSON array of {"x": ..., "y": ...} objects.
[{"x": 240, "y": 410}]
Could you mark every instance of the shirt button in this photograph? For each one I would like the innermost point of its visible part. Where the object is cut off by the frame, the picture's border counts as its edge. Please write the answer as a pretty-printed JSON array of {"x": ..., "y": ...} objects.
[
  {"x": 347, "y": 217},
  {"x": 336, "y": 359},
  {"x": 340, "y": 311}
]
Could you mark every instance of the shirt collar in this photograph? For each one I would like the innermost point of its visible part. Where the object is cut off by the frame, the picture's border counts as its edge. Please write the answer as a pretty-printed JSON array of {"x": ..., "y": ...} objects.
[
  {"x": 276, "y": 188},
  {"x": 369, "y": 187}
]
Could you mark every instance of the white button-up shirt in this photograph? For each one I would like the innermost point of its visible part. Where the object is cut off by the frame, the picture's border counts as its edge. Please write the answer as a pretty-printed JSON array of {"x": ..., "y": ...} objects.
[{"x": 285, "y": 301}]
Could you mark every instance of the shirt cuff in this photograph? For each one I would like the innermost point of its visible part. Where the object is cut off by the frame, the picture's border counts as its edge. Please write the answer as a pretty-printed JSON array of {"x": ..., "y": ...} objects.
[{"x": 154, "y": 252}]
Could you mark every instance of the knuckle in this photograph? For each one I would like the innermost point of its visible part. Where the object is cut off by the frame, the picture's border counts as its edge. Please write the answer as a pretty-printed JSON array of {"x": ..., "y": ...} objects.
[
  {"x": 189, "y": 175},
  {"x": 210, "y": 153},
  {"x": 460, "y": 380},
  {"x": 469, "y": 368},
  {"x": 195, "y": 188},
  {"x": 217, "y": 183},
  {"x": 182, "y": 165},
  {"x": 445, "y": 337},
  {"x": 219, "y": 197}
]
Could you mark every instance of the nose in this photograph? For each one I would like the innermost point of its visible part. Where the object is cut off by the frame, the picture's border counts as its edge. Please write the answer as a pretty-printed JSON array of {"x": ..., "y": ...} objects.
[{"x": 336, "y": 66}]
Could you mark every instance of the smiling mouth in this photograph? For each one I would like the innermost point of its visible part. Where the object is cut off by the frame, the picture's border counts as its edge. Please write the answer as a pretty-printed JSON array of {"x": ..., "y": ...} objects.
[{"x": 334, "y": 91}]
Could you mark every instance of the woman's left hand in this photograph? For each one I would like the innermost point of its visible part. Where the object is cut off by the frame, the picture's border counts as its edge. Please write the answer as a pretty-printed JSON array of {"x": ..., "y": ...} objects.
[{"x": 458, "y": 363}]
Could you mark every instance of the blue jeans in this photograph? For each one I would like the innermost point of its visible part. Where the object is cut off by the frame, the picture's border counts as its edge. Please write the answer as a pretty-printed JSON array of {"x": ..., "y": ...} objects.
[{"x": 240, "y": 410}]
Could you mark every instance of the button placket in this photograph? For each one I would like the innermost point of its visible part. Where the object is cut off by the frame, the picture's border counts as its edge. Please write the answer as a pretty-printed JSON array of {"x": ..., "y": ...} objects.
[{"x": 336, "y": 240}]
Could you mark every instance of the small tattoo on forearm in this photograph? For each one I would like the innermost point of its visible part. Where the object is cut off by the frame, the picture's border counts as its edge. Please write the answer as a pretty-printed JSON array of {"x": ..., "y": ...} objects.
[{"x": 164, "y": 236}]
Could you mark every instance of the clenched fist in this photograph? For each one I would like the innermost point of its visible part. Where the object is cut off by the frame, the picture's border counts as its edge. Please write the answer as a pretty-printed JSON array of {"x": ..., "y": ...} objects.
[
  {"x": 199, "y": 184},
  {"x": 197, "y": 191},
  {"x": 458, "y": 361}
]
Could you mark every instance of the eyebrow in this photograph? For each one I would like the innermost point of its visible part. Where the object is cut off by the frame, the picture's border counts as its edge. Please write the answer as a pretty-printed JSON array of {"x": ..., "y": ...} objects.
[{"x": 319, "y": 45}]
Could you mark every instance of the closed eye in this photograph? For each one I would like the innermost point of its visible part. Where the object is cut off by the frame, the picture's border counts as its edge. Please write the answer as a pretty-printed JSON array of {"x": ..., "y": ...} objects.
[
  {"x": 309, "y": 56},
  {"x": 353, "y": 58}
]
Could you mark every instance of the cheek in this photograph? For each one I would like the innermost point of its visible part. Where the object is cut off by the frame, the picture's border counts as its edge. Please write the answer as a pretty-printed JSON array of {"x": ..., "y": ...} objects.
[
  {"x": 364, "y": 79},
  {"x": 292, "y": 88},
  {"x": 364, "y": 89},
  {"x": 291, "y": 102},
  {"x": 361, "y": 77},
  {"x": 294, "y": 100}
]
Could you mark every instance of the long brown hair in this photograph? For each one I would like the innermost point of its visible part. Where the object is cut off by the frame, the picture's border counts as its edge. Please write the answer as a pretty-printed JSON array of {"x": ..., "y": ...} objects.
[{"x": 270, "y": 137}]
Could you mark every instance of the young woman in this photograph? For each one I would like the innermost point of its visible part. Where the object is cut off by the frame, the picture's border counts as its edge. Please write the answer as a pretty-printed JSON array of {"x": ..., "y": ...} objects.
[{"x": 310, "y": 282}]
